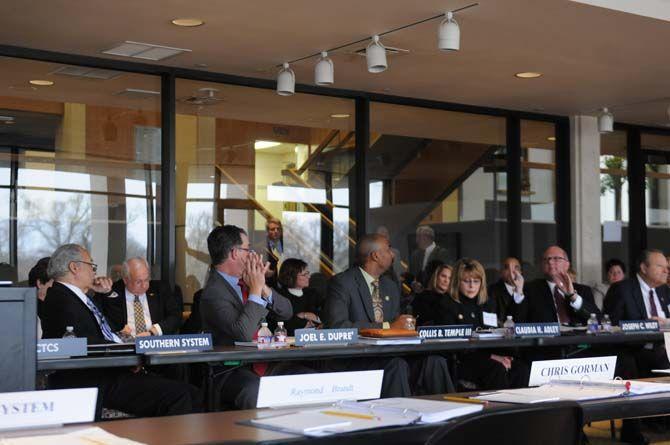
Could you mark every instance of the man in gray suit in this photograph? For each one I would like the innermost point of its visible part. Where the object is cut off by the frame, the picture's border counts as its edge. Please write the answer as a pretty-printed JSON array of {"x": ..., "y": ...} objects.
[
  {"x": 234, "y": 302},
  {"x": 362, "y": 297},
  {"x": 427, "y": 253}
]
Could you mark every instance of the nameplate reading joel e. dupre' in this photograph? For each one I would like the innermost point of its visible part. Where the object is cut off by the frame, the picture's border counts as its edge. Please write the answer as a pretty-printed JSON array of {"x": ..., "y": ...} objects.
[
  {"x": 446, "y": 332},
  {"x": 168, "y": 343},
  {"x": 310, "y": 337},
  {"x": 594, "y": 368},
  {"x": 537, "y": 330},
  {"x": 61, "y": 347},
  {"x": 639, "y": 325},
  {"x": 47, "y": 408},
  {"x": 306, "y": 389}
]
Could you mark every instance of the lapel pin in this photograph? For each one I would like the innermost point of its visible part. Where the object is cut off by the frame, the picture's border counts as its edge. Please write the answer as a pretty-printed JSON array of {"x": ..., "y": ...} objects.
[
  {"x": 460, "y": 316},
  {"x": 387, "y": 298}
]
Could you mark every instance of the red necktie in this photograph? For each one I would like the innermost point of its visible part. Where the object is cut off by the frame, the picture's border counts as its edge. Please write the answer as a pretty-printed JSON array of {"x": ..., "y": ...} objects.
[
  {"x": 561, "y": 307},
  {"x": 652, "y": 305},
  {"x": 259, "y": 368}
]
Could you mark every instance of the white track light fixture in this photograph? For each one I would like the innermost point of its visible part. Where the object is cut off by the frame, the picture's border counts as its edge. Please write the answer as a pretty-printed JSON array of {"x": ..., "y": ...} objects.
[
  {"x": 375, "y": 54},
  {"x": 605, "y": 121},
  {"x": 324, "y": 71},
  {"x": 286, "y": 81},
  {"x": 449, "y": 34}
]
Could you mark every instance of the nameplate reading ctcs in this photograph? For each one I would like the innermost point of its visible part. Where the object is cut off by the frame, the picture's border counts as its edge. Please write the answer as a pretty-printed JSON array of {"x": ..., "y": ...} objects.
[
  {"x": 447, "y": 332},
  {"x": 537, "y": 330},
  {"x": 61, "y": 347},
  {"x": 168, "y": 343},
  {"x": 310, "y": 337},
  {"x": 639, "y": 325}
]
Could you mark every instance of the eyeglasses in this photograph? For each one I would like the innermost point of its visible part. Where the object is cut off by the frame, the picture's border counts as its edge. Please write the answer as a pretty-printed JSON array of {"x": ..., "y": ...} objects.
[
  {"x": 557, "y": 259},
  {"x": 305, "y": 273},
  {"x": 93, "y": 265},
  {"x": 472, "y": 281},
  {"x": 246, "y": 249}
]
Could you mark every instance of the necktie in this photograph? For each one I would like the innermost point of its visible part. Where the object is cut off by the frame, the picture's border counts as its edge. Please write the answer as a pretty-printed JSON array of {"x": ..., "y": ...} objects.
[
  {"x": 245, "y": 290},
  {"x": 102, "y": 321},
  {"x": 377, "y": 304},
  {"x": 140, "y": 324},
  {"x": 561, "y": 307},
  {"x": 652, "y": 305}
]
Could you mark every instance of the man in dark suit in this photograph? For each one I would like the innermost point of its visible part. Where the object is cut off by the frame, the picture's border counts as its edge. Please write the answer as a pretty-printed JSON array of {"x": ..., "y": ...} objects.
[
  {"x": 555, "y": 298},
  {"x": 363, "y": 297},
  {"x": 644, "y": 296},
  {"x": 510, "y": 284},
  {"x": 427, "y": 252},
  {"x": 233, "y": 303},
  {"x": 67, "y": 304},
  {"x": 274, "y": 249},
  {"x": 143, "y": 306}
]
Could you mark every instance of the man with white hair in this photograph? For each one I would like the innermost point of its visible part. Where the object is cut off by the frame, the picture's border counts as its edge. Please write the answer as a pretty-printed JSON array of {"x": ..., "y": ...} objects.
[
  {"x": 426, "y": 253},
  {"x": 143, "y": 306},
  {"x": 68, "y": 304}
]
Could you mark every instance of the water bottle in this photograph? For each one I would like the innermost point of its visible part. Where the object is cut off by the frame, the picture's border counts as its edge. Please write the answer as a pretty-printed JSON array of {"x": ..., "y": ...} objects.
[
  {"x": 607, "y": 324},
  {"x": 279, "y": 338},
  {"x": 592, "y": 325},
  {"x": 264, "y": 336},
  {"x": 69, "y": 332},
  {"x": 509, "y": 327}
]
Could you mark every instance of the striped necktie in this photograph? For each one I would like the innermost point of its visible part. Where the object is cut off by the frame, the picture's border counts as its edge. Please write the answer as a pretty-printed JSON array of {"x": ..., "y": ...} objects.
[{"x": 102, "y": 321}]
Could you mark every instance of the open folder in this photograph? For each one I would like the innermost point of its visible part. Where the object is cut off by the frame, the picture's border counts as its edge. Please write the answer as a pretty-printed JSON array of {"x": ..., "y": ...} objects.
[
  {"x": 344, "y": 417},
  {"x": 575, "y": 390}
]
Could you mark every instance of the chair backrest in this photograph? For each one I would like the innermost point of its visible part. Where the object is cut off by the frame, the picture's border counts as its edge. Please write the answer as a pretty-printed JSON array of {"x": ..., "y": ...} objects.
[{"x": 557, "y": 423}]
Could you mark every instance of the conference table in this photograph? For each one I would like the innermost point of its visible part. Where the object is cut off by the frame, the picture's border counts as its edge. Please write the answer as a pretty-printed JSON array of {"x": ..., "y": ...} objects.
[{"x": 231, "y": 354}]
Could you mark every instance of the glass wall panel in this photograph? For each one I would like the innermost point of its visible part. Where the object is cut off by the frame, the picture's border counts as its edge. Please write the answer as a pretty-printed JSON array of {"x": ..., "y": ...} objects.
[
  {"x": 657, "y": 193},
  {"x": 538, "y": 193},
  {"x": 245, "y": 155},
  {"x": 614, "y": 196},
  {"x": 441, "y": 169},
  {"x": 87, "y": 150}
]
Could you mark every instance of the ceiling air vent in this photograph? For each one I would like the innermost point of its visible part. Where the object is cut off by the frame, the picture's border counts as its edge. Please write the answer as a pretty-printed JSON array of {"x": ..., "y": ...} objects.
[
  {"x": 146, "y": 51},
  {"x": 136, "y": 93},
  {"x": 89, "y": 73}
]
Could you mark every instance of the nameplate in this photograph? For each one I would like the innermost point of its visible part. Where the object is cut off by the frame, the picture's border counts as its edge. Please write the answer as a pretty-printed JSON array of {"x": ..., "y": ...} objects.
[
  {"x": 537, "y": 330},
  {"x": 590, "y": 368},
  {"x": 639, "y": 326},
  {"x": 167, "y": 343},
  {"x": 61, "y": 347},
  {"x": 445, "y": 332},
  {"x": 306, "y": 389},
  {"x": 47, "y": 408},
  {"x": 308, "y": 337}
]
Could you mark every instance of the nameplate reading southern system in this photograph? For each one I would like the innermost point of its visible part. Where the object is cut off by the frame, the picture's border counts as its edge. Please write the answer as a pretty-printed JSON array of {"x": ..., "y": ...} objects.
[
  {"x": 537, "y": 330},
  {"x": 449, "y": 332},
  {"x": 61, "y": 347},
  {"x": 172, "y": 343},
  {"x": 312, "y": 337},
  {"x": 639, "y": 326}
]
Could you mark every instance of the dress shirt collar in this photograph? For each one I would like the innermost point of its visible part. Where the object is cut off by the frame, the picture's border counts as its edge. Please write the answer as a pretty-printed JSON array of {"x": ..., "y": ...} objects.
[
  {"x": 131, "y": 296},
  {"x": 296, "y": 292},
  {"x": 509, "y": 287},
  {"x": 367, "y": 277},
  {"x": 231, "y": 279},
  {"x": 78, "y": 292},
  {"x": 644, "y": 286}
]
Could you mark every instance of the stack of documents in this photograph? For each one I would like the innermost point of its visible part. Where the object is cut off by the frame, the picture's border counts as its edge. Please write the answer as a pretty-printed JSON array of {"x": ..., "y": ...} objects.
[
  {"x": 87, "y": 436},
  {"x": 575, "y": 390}
]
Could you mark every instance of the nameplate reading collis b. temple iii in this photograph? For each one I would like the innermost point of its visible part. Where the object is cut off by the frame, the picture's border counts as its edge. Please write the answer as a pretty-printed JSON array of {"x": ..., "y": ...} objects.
[
  {"x": 537, "y": 330},
  {"x": 639, "y": 325},
  {"x": 167, "y": 343},
  {"x": 447, "y": 332}
]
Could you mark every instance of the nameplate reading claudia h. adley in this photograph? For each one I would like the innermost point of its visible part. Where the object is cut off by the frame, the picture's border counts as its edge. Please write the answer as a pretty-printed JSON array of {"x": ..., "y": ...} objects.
[
  {"x": 309, "y": 337},
  {"x": 537, "y": 330},
  {"x": 168, "y": 343},
  {"x": 589, "y": 368},
  {"x": 47, "y": 408}
]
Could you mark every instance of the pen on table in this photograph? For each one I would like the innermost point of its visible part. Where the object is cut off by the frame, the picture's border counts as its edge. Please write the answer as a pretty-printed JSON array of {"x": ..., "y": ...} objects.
[
  {"x": 346, "y": 414},
  {"x": 466, "y": 400}
]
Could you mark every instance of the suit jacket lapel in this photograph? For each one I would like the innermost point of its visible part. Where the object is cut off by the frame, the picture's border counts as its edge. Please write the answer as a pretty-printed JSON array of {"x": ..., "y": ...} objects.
[
  {"x": 638, "y": 297},
  {"x": 153, "y": 300},
  {"x": 549, "y": 299},
  {"x": 364, "y": 293},
  {"x": 232, "y": 293}
]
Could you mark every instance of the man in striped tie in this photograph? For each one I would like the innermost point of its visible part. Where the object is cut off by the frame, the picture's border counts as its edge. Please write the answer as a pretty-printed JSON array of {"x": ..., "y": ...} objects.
[{"x": 68, "y": 304}]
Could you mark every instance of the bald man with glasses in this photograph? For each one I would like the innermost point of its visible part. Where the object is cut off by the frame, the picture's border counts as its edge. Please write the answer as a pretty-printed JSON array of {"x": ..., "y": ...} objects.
[{"x": 555, "y": 298}]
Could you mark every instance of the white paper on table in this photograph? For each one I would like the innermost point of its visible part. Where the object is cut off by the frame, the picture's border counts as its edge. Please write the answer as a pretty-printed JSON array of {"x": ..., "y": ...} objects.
[
  {"x": 612, "y": 231},
  {"x": 490, "y": 319}
]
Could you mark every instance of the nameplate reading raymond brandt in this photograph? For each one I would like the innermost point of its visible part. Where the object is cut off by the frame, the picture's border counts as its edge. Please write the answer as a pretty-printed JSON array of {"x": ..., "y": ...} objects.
[
  {"x": 168, "y": 343},
  {"x": 537, "y": 330},
  {"x": 309, "y": 337},
  {"x": 639, "y": 325},
  {"x": 447, "y": 332}
]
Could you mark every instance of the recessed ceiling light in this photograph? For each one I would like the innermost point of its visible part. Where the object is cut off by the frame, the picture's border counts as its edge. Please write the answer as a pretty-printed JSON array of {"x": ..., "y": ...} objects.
[
  {"x": 187, "y": 22},
  {"x": 259, "y": 145},
  {"x": 528, "y": 75},
  {"x": 551, "y": 138},
  {"x": 340, "y": 115},
  {"x": 42, "y": 83}
]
